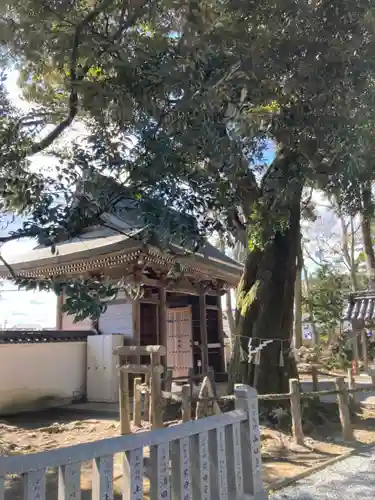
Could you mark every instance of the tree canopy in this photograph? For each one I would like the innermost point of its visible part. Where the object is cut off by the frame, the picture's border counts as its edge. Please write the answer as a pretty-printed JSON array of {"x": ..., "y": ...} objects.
[
  {"x": 180, "y": 99},
  {"x": 194, "y": 90}
]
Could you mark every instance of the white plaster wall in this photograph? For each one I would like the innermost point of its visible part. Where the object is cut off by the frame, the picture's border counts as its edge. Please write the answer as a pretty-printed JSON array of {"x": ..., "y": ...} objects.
[
  {"x": 68, "y": 323},
  {"x": 35, "y": 376}
]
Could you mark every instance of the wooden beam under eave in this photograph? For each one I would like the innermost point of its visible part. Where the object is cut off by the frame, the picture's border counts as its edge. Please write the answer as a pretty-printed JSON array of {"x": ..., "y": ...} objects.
[
  {"x": 203, "y": 329},
  {"x": 150, "y": 281},
  {"x": 59, "y": 314},
  {"x": 187, "y": 286},
  {"x": 163, "y": 317}
]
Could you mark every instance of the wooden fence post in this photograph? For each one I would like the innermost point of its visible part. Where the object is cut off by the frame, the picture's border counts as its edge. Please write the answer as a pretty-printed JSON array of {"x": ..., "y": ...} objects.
[
  {"x": 185, "y": 406},
  {"x": 168, "y": 380},
  {"x": 156, "y": 369},
  {"x": 351, "y": 385},
  {"x": 247, "y": 400},
  {"x": 125, "y": 427},
  {"x": 191, "y": 379},
  {"x": 295, "y": 410},
  {"x": 211, "y": 376},
  {"x": 146, "y": 401},
  {"x": 355, "y": 346},
  {"x": 342, "y": 399},
  {"x": 202, "y": 405},
  {"x": 137, "y": 402},
  {"x": 315, "y": 382},
  {"x": 156, "y": 397}
]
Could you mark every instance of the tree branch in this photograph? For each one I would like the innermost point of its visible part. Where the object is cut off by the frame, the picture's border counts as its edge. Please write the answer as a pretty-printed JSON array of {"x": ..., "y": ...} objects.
[
  {"x": 9, "y": 267},
  {"x": 306, "y": 203},
  {"x": 309, "y": 256},
  {"x": 13, "y": 237},
  {"x": 74, "y": 80},
  {"x": 237, "y": 228}
]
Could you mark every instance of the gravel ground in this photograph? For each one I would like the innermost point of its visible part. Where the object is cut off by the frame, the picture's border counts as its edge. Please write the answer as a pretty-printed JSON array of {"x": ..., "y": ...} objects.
[{"x": 352, "y": 478}]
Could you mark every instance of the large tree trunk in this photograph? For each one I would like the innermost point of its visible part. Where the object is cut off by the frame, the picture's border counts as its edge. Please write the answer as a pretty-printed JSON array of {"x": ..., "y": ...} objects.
[
  {"x": 367, "y": 214},
  {"x": 265, "y": 294},
  {"x": 239, "y": 254},
  {"x": 297, "y": 330}
]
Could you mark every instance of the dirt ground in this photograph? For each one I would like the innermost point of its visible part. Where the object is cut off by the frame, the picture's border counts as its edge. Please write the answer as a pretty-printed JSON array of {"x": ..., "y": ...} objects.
[{"x": 281, "y": 457}]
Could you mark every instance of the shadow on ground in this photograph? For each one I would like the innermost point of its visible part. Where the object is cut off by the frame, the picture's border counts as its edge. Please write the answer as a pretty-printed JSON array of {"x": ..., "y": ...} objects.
[{"x": 35, "y": 420}]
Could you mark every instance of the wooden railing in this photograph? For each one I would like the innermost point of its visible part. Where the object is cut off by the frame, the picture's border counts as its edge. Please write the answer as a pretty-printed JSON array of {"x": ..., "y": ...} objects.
[
  {"x": 345, "y": 394},
  {"x": 215, "y": 458}
]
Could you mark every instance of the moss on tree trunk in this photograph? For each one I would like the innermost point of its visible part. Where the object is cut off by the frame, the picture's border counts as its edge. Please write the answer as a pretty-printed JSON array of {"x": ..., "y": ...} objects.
[{"x": 265, "y": 294}]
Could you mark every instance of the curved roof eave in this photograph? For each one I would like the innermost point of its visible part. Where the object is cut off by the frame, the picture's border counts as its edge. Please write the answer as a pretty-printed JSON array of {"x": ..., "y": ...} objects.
[{"x": 103, "y": 242}]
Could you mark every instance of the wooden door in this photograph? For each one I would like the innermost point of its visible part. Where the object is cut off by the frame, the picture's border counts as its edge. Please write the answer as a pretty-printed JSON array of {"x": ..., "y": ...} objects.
[{"x": 179, "y": 341}]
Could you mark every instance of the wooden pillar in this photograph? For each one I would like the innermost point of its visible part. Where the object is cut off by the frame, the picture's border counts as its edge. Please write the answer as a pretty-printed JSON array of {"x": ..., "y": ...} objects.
[
  {"x": 59, "y": 314},
  {"x": 203, "y": 329},
  {"x": 137, "y": 326},
  {"x": 156, "y": 397},
  {"x": 221, "y": 333},
  {"x": 95, "y": 322},
  {"x": 351, "y": 385},
  {"x": 315, "y": 379},
  {"x": 168, "y": 379},
  {"x": 137, "y": 402},
  {"x": 186, "y": 405},
  {"x": 295, "y": 410},
  {"x": 342, "y": 399},
  {"x": 146, "y": 405},
  {"x": 125, "y": 427},
  {"x": 163, "y": 319}
]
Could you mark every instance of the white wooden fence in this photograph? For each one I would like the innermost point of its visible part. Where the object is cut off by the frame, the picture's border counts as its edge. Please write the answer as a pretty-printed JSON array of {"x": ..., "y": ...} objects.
[{"x": 215, "y": 458}]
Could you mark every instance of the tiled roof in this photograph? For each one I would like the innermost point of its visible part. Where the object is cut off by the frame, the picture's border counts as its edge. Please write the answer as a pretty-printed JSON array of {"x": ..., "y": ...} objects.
[
  {"x": 360, "y": 306},
  {"x": 103, "y": 248},
  {"x": 120, "y": 238}
]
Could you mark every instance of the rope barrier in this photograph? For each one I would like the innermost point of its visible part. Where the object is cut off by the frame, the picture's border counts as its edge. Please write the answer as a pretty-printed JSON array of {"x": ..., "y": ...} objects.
[{"x": 267, "y": 397}]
